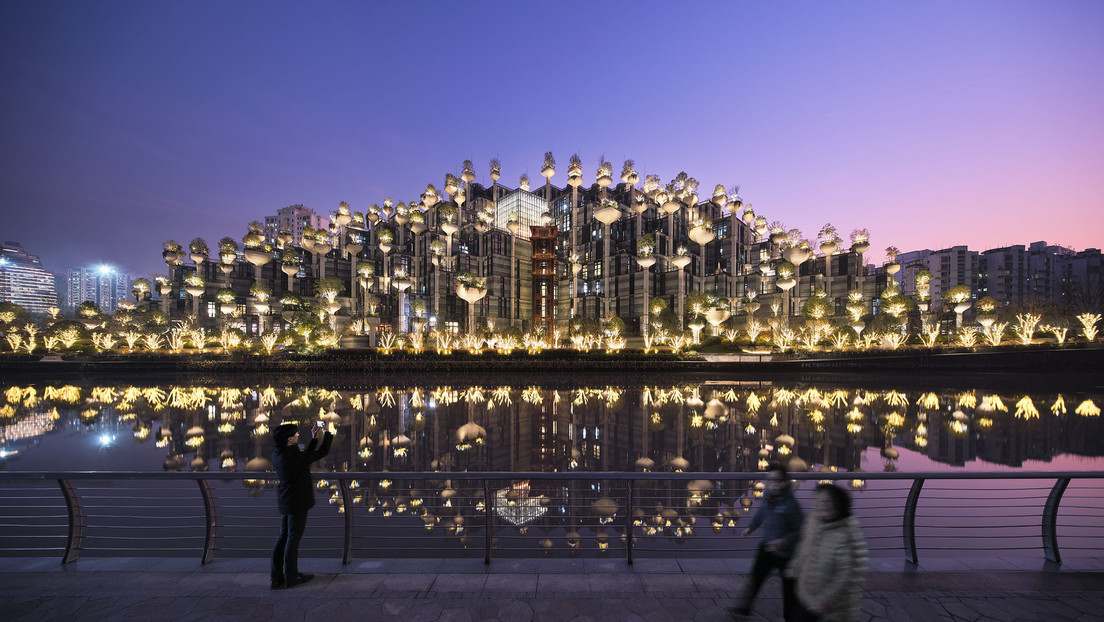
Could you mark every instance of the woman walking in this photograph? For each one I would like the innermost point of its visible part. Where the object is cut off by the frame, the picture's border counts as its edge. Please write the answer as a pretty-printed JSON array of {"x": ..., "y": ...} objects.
[{"x": 831, "y": 560}]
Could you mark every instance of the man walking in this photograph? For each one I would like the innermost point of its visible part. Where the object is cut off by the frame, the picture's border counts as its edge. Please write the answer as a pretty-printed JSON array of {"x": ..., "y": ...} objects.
[
  {"x": 295, "y": 497},
  {"x": 780, "y": 518}
]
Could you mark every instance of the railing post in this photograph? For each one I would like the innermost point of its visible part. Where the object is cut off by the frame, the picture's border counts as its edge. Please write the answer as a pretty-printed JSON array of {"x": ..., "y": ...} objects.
[
  {"x": 629, "y": 522},
  {"x": 211, "y": 520},
  {"x": 1050, "y": 520},
  {"x": 909, "y": 520},
  {"x": 347, "y": 503},
  {"x": 76, "y": 522},
  {"x": 488, "y": 520}
]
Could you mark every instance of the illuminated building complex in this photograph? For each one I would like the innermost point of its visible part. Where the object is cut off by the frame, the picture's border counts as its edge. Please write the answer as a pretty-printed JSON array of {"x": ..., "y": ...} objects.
[{"x": 602, "y": 250}]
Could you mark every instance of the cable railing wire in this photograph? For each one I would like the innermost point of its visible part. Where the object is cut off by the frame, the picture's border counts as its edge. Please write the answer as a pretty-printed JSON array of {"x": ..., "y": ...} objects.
[{"x": 474, "y": 521}]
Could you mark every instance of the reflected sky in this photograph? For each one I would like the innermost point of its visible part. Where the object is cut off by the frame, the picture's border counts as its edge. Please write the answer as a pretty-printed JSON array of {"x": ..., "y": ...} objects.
[{"x": 713, "y": 426}]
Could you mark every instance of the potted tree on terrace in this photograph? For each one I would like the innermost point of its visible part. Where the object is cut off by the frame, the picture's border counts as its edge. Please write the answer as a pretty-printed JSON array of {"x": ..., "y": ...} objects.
[
  {"x": 228, "y": 253},
  {"x": 140, "y": 289},
  {"x": 227, "y": 301},
  {"x": 471, "y": 289},
  {"x": 199, "y": 251},
  {"x": 256, "y": 251},
  {"x": 959, "y": 297},
  {"x": 261, "y": 293},
  {"x": 327, "y": 290},
  {"x": 289, "y": 265},
  {"x": 195, "y": 287}
]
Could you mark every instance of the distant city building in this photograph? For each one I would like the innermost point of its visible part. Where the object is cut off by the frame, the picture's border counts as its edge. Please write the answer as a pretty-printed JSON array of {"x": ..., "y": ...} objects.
[
  {"x": 24, "y": 281},
  {"x": 1078, "y": 281},
  {"x": 293, "y": 219},
  {"x": 1015, "y": 275},
  {"x": 102, "y": 285},
  {"x": 61, "y": 286},
  {"x": 949, "y": 267}
]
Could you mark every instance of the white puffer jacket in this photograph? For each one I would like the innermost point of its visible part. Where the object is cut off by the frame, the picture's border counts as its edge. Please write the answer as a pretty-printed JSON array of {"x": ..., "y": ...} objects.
[{"x": 830, "y": 567}]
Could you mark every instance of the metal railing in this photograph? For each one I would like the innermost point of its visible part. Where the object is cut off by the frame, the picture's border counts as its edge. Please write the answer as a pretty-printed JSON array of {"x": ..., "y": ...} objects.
[{"x": 642, "y": 514}]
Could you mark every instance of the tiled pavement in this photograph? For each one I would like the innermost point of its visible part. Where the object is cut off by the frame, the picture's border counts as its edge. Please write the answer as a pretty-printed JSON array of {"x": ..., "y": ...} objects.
[{"x": 521, "y": 590}]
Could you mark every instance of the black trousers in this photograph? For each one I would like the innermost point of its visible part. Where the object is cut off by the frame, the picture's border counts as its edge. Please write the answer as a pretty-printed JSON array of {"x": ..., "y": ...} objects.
[
  {"x": 285, "y": 554},
  {"x": 765, "y": 563},
  {"x": 801, "y": 614}
]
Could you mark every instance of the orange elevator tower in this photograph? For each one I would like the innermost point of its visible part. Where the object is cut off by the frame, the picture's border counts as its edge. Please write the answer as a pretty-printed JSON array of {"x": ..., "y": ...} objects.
[{"x": 544, "y": 277}]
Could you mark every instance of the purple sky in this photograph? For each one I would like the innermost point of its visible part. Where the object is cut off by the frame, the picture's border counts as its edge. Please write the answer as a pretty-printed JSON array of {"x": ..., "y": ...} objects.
[{"x": 124, "y": 124}]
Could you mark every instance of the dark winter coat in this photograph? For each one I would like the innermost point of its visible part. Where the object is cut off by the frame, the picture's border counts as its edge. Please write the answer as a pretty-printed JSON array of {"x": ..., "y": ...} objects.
[
  {"x": 296, "y": 493},
  {"x": 780, "y": 517}
]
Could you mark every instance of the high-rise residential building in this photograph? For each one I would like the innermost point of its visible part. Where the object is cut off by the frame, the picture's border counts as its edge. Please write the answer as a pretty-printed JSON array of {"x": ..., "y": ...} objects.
[
  {"x": 1078, "y": 281},
  {"x": 61, "y": 286},
  {"x": 24, "y": 281},
  {"x": 1018, "y": 275},
  {"x": 103, "y": 285},
  {"x": 912, "y": 263},
  {"x": 949, "y": 267},
  {"x": 293, "y": 219}
]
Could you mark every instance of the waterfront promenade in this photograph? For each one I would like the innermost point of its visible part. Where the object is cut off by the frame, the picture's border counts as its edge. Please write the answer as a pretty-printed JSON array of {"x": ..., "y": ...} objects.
[{"x": 968, "y": 589}]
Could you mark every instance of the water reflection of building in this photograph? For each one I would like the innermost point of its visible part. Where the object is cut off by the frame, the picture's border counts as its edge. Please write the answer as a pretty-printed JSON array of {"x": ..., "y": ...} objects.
[
  {"x": 1017, "y": 441},
  {"x": 27, "y": 428},
  {"x": 543, "y": 430},
  {"x": 19, "y": 435},
  {"x": 949, "y": 444},
  {"x": 1082, "y": 436},
  {"x": 729, "y": 427},
  {"x": 538, "y": 429}
]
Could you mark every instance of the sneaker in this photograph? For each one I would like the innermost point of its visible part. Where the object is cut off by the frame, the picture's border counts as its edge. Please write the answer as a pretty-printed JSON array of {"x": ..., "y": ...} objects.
[
  {"x": 300, "y": 579},
  {"x": 278, "y": 585}
]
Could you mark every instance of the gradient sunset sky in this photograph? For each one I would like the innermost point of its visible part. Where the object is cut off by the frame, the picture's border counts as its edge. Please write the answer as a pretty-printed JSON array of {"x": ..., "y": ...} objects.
[{"x": 933, "y": 124}]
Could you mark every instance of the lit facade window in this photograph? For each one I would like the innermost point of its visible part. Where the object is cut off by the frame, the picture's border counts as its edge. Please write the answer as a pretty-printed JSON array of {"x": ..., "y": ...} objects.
[
  {"x": 526, "y": 205},
  {"x": 24, "y": 281}
]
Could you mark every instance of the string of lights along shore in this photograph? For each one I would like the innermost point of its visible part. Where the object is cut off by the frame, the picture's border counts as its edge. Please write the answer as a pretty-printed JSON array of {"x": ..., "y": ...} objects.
[{"x": 661, "y": 264}]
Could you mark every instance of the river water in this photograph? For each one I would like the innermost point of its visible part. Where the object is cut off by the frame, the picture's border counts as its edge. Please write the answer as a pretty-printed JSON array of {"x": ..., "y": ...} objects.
[
  {"x": 692, "y": 426},
  {"x": 855, "y": 425}
]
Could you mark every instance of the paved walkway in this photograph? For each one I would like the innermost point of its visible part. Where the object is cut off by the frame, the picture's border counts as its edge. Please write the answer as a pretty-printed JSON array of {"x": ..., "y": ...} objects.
[{"x": 522, "y": 590}]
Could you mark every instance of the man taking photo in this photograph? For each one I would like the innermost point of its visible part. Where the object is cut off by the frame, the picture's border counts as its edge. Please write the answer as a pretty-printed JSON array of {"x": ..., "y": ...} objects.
[{"x": 295, "y": 496}]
